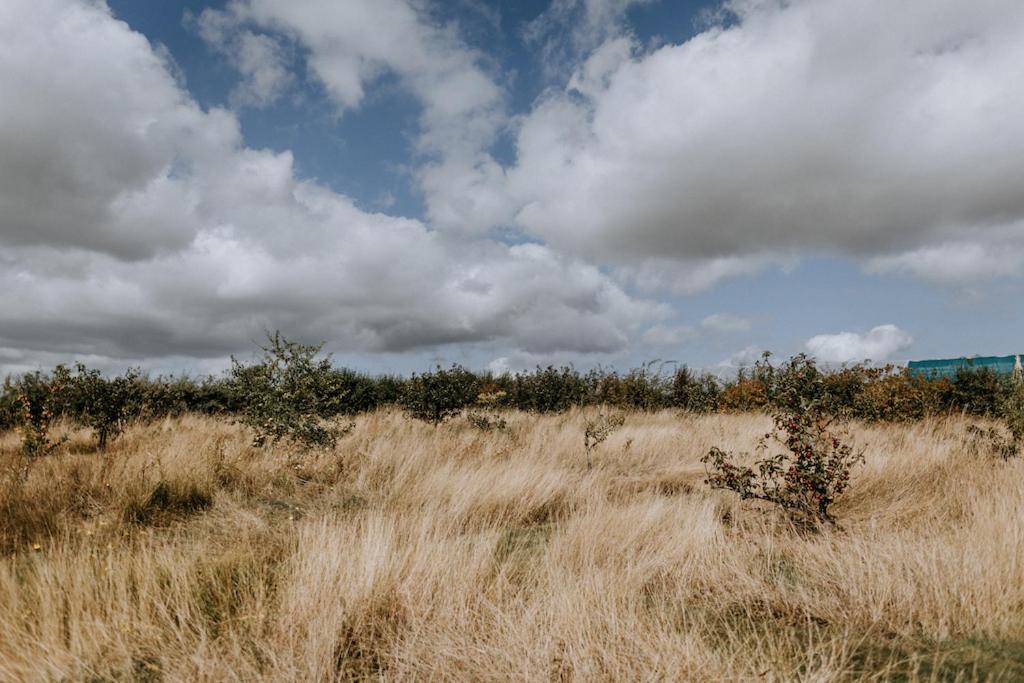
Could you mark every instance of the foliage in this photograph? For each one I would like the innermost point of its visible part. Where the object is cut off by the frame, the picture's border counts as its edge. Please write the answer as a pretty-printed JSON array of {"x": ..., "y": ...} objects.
[
  {"x": 806, "y": 479},
  {"x": 547, "y": 390},
  {"x": 694, "y": 393},
  {"x": 39, "y": 399},
  {"x": 436, "y": 396},
  {"x": 1010, "y": 408},
  {"x": 288, "y": 394},
  {"x": 642, "y": 388},
  {"x": 743, "y": 395},
  {"x": 976, "y": 391},
  {"x": 599, "y": 429},
  {"x": 103, "y": 404}
]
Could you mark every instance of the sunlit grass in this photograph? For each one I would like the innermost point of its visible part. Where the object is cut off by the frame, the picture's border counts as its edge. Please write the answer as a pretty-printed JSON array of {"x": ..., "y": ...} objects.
[{"x": 182, "y": 553}]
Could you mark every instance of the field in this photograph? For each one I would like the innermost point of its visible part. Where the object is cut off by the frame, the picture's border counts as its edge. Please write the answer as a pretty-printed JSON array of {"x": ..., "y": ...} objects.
[{"x": 182, "y": 553}]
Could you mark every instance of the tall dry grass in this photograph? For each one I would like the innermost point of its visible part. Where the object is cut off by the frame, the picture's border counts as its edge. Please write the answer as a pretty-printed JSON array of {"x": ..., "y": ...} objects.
[{"x": 409, "y": 552}]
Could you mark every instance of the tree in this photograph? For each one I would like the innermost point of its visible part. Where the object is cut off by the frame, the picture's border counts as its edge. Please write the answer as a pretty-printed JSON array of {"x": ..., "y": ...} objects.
[
  {"x": 436, "y": 396},
  {"x": 288, "y": 394},
  {"x": 104, "y": 404}
]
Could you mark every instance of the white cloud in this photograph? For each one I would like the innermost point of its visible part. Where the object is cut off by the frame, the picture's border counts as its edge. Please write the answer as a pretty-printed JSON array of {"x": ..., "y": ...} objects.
[
  {"x": 569, "y": 30},
  {"x": 352, "y": 44},
  {"x": 668, "y": 335},
  {"x": 261, "y": 60},
  {"x": 136, "y": 225},
  {"x": 862, "y": 128},
  {"x": 743, "y": 358},
  {"x": 997, "y": 254},
  {"x": 879, "y": 344},
  {"x": 725, "y": 323}
]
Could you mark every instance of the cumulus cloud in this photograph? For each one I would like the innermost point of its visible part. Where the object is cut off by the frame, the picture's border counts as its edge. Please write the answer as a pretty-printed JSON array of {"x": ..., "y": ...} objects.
[
  {"x": 1000, "y": 253},
  {"x": 725, "y": 323},
  {"x": 351, "y": 45},
  {"x": 743, "y": 358},
  {"x": 261, "y": 59},
  {"x": 134, "y": 224},
  {"x": 668, "y": 335},
  {"x": 833, "y": 126},
  {"x": 569, "y": 30},
  {"x": 879, "y": 344}
]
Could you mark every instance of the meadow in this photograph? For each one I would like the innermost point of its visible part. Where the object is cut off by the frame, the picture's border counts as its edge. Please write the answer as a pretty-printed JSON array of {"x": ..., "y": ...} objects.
[{"x": 409, "y": 551}]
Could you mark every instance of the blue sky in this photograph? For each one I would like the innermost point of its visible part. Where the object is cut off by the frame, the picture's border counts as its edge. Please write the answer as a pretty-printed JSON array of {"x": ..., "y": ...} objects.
[{"x": 504, "y": 184}]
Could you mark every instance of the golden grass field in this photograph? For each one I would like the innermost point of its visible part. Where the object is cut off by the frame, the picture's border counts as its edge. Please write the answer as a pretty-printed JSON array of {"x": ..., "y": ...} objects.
[{"x": 412, "y": 553}]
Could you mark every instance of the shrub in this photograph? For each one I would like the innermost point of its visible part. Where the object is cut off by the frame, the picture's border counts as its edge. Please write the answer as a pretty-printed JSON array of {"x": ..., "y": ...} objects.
[
  {"x": 644, "y": 389},
  {"x": 39, "y": 400},
  {"x": 796, "y": 385},
  {"x": 898, "y": 396},
  {"x": 976, "y": 391},
  {"x": 1011, "y": 410},
  {"x": 10, "y": 406},
  {"x": 743, "y": 395},
  {"x": 355, "y": 392},
  {"x": 599, "y": 429},
  {"x": 105, "y": 405},
  {"x": 171, "y": 396},
  {"x": 548, "y": 390},
  {"x": 693, "y": 392},
  {"x": 436, "y": 396},
  {"x": 287, "y": 394},
  {"x": 806, "y": 479},
  {"x": 842, "y": 389}
]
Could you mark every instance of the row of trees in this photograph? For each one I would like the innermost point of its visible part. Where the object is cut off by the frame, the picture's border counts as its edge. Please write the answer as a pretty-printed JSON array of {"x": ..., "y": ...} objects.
[{"x": 294, "y": 391}]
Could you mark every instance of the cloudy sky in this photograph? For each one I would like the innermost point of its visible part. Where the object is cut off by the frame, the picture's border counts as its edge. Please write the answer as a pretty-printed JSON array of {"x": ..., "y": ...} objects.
[{"x": 504, "y": 183}]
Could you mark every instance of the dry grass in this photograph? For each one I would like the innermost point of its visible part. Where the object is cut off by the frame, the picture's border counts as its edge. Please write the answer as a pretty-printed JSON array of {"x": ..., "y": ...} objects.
[{"x": 409, "y": 552}]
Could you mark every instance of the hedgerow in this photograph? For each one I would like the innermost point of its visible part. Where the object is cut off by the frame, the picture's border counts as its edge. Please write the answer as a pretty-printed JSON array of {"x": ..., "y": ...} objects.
[{"x": 291, "y": 385}]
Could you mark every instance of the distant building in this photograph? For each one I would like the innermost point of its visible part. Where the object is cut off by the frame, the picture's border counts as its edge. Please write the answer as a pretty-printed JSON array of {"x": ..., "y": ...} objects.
[{"x": 1004, "y": 365}]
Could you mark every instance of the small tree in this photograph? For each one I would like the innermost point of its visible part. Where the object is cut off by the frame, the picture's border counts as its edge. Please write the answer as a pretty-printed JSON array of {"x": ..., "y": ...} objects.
[
  {"x": 815, "y": 469},
  {"x": 38, "y": 399},
  {"x": 694, "y": 393},
  {"x": 287, "y": 394},
  {"x": 436, "y": 396},
  {"x": 104, "y": 404},
  {"x": 599, "y": 429}
]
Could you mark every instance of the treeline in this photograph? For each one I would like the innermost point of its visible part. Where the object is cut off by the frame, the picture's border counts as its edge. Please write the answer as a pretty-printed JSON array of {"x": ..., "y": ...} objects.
[{"x": 287, "y": 370}]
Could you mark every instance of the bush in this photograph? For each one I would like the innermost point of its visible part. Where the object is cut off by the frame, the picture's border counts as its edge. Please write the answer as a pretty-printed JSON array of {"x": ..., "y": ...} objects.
[
  {"x": 105, "y": 405},
  {"x": 644, "y": 389},
  {"x": 976, "y": 391},
  {"x": 744, "y": 395},
  {"x": 172, "y": 396},
  {"x": 842, "y": 389},
  {"x": 693, "y": 392},
  {"x": 547, "y": 390},
  {"x": 599, "y": 429},
  {"x": 795, "y": 386},
  {"x": 288, "y": 394},
  {"x": 898, "y": 396},
  {"x": 39, "y": 400},
  {"x": 436, "y": 396},
  {"x": 806, "y": 479},
  {"x": 10, "y": 406},
  {"x": 355, "y": 393},
  {"x": 1011, "y": 410}
]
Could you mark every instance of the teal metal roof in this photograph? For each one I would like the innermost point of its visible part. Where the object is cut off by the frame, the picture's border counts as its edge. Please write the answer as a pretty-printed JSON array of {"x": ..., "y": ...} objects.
[{"x": 947, "y": 367}]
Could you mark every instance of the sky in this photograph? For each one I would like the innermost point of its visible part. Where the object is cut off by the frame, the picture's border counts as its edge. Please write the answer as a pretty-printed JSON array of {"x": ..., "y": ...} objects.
[{"x": 505, "y": 184}]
